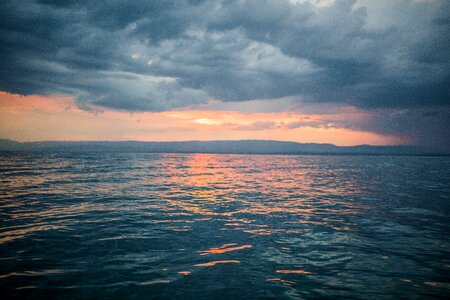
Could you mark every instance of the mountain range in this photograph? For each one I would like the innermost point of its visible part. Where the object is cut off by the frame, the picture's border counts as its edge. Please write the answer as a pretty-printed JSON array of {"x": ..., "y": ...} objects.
[{"x": 225, "y": 147}]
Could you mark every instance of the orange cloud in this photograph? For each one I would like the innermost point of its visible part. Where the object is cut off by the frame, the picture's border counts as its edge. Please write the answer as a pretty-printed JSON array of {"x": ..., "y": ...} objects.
[{"x": 34, "y": 118}]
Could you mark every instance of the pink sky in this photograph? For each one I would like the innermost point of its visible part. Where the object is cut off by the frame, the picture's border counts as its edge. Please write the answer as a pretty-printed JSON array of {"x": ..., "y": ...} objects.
[{"x": 37, "y": 118}]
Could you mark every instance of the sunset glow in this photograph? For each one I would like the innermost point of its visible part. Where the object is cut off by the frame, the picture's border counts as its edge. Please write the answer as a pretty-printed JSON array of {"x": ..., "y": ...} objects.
[{"x": 34, "y": 118}]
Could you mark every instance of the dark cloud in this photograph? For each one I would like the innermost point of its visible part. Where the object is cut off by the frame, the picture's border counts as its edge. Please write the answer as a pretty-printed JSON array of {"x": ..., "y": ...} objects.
[
  {"x": 427, "y": 126},
  {"x": 158, "y": 55}
]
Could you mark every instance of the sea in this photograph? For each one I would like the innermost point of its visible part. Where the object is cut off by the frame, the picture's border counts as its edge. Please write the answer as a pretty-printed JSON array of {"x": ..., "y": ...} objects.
[{"x": 109, "y": 225}]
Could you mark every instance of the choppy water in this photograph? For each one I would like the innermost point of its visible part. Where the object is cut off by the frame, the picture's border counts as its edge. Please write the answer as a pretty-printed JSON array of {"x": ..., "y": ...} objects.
[{"x": 197, "y": 226}]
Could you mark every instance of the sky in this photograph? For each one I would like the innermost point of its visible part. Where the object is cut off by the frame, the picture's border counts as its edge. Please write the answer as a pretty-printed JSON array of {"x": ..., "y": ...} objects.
[{"x": 345, "y": 72}]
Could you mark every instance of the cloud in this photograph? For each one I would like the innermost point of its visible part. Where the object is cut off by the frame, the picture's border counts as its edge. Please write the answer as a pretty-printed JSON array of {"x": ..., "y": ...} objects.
[
  {"x": 303, "y": 123},
  {"x": 261, "y": 125},
  {"x": 342, "y": 52},
  {"x": 162, "y": 55},
  {"x": 425, "y": 126}
]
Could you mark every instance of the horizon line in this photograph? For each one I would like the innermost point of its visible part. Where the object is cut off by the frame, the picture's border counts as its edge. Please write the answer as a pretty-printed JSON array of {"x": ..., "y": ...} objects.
[{"x": 218, "y": 140}]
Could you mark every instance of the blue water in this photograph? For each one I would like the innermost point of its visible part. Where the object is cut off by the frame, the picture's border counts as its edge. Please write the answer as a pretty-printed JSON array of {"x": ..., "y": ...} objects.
[{"x": 198, "y": 226}]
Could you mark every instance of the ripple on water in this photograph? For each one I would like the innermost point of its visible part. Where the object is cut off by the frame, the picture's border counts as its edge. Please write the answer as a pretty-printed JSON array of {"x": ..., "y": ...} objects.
[{"x": 134, "y": 225}]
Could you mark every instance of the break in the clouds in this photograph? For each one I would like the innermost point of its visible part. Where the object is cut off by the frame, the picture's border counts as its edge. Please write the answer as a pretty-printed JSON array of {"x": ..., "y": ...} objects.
[{"x": 388, "y": 56}]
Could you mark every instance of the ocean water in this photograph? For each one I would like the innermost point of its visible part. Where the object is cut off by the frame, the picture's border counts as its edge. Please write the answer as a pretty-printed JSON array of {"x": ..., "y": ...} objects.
[{"x": 200, "y": 226}]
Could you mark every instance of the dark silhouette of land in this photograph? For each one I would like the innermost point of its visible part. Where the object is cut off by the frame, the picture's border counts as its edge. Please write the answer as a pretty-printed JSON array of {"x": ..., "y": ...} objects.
[{"x": 225, "y": 147}]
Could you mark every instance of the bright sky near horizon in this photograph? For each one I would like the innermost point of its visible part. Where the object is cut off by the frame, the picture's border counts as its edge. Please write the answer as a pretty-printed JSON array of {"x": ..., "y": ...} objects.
[
  {"x": 345, "y": 72},
  {"x": 37, "y": 118}
]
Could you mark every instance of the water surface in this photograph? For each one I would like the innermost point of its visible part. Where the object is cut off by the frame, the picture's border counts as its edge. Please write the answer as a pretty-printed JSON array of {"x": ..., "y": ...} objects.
[{"x": 198, "y": 226}]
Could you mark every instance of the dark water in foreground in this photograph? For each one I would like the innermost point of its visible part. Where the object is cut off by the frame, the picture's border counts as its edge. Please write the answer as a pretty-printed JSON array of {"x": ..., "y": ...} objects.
[{"x": 198, "y": 226}]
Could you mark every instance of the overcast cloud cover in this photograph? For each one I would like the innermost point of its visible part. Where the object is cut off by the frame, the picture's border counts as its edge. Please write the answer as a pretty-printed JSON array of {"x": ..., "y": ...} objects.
[{"x": 387, "y": 56}]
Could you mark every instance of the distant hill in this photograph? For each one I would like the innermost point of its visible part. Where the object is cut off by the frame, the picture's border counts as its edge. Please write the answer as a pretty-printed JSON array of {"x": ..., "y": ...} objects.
[
  {"x": 228, "y": 147},
  {"x": 8, "y": 145}
]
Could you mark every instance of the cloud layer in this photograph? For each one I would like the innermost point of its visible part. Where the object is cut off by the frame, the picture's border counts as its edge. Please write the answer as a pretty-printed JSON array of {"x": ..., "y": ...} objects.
[
  {"x": 156, "y": 55},
  {"x": 160, "y": 55}
]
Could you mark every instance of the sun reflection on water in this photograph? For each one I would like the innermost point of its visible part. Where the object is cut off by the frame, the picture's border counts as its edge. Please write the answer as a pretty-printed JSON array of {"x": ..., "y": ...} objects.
[
  {"x": 224, "y": 249},
  {"x": 155, "y": 220},
  {"x": 216, "y": 262},
  {"x": 235, "y": 187}
]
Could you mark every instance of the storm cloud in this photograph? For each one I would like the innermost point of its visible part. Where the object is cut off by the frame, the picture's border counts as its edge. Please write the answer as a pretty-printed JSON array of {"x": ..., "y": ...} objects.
[{"x": 160, "y": 55}]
